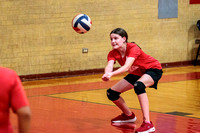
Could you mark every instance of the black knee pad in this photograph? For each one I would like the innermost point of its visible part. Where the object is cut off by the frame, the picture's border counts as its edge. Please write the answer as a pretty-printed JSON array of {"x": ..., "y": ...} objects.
[
  {"x": 139, "y": 88},
  {"x": 113, "y": 95}
]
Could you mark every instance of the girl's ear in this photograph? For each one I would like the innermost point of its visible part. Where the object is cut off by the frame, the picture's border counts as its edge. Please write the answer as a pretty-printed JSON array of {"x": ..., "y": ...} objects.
[{"x": 124, "y": 38}]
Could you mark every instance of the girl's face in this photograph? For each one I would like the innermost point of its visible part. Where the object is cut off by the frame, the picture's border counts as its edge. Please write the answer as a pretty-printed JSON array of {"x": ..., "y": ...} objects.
[{"x": 117, "y": 41}]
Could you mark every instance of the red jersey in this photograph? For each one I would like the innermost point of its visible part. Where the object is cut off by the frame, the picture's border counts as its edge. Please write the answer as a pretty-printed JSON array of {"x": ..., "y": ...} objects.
[
  {"x": 12, "y": 95},
  {"x": 142, "y": 60}
]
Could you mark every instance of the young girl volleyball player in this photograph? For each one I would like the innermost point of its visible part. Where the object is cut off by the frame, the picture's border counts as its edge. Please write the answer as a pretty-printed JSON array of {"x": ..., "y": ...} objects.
[{"x": 144, "y": 71}]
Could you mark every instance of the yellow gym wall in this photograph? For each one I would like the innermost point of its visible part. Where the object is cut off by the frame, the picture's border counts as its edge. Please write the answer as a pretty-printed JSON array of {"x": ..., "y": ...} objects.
[{"x": 36, "y": 36}]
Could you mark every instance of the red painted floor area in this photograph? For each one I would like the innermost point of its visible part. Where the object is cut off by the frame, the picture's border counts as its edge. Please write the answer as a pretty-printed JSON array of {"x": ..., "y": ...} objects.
[
  {"x": 57, "y": 115},
  {"x": 53, "y": 115}
]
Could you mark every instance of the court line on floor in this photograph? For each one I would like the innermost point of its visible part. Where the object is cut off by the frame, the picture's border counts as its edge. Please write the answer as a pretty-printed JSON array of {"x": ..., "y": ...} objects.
[
  {"x": 166, "y": 113},
  {"x": 97, "y": 78},
  {"x": 77, "y": 88}
]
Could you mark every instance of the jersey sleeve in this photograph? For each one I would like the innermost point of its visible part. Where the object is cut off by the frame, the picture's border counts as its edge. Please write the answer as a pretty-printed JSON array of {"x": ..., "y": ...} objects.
[
  {"x": 111, "y": 56},
  {"x": 18, "y": 96}
]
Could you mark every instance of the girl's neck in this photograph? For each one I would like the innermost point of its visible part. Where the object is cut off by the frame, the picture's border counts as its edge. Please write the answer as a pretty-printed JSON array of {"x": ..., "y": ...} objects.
[{"x": 122, "y": 50}]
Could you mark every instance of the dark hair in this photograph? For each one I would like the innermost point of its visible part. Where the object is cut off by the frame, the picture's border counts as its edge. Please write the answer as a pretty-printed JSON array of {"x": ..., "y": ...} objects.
[
  {"x": 120, "y": 32},
  {"x": 198, "y": 24}
]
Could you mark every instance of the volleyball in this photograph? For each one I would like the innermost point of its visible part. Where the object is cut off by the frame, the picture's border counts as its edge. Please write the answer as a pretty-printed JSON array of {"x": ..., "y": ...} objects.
[{"x": 81, "y": 23}]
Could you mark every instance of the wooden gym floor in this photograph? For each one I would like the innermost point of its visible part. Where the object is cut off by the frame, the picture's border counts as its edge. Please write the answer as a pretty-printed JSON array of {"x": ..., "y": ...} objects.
[{"x": 80, "y": 105}]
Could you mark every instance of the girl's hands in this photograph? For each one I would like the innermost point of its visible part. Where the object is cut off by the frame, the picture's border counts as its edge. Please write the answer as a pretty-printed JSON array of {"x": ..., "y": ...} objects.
[{"x": 107, "y": 76}]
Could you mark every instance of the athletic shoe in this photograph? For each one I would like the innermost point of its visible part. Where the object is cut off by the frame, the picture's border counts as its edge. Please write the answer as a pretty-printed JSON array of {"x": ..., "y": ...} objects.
[
  {"x": 146, "y": 128},
  {"x": 124, "y": 118}
]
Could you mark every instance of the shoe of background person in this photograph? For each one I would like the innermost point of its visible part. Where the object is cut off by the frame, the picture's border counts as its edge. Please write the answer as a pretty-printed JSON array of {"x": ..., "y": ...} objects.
[
  {"x": 146, "y": 128},
  {"x": 124, "y": 118}
]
